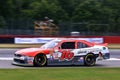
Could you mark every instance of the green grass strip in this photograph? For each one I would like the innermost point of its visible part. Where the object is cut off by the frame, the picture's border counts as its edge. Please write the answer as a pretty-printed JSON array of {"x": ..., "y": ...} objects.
[{"x": 61, "y": 74}]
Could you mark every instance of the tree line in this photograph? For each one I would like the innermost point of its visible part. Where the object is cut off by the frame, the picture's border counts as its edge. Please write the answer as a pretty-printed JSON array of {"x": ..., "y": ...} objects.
[{"x": 90, "y": 11}]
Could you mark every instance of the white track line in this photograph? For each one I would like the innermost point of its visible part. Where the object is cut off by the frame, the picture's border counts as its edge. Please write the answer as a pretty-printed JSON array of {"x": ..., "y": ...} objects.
[
  {"x": 6, "y": 58},
  {"x": 113, "y": 59}
]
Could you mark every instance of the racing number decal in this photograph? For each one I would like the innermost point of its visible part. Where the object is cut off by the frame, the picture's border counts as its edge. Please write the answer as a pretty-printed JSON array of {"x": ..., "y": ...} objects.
[{"x": 66, "y": 55}]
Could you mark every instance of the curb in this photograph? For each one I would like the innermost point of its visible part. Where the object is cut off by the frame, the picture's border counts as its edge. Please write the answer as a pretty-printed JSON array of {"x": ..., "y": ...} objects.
[
  {"x": 114, "y": 46},
  {"x": 19, "y": 45}
]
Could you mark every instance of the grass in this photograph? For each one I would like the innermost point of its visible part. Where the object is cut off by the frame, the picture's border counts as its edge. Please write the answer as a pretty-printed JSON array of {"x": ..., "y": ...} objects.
[{"x": 61, "y": 74}]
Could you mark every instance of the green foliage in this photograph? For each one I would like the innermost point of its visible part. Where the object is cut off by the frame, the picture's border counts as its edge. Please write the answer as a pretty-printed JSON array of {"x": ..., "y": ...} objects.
[
  {"x": 91, "y": 11},
  {"x": 75, "y": 73},
  {"x": 2, "y": 22}
]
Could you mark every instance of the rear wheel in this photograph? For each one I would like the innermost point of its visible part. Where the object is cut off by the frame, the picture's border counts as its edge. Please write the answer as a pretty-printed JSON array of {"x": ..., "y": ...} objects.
[
  {"x": 89, "y": 60},
  {"x": 40, "y": 60}
]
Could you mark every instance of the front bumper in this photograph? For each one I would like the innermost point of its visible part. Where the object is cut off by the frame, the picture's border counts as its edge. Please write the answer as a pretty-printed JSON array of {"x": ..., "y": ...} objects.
[
  {"x": 21, "y": 64},
  {"x": 23, "y": 61},
  {"x": 103, "y": 57},
  {"x": 106, "y": 56}
]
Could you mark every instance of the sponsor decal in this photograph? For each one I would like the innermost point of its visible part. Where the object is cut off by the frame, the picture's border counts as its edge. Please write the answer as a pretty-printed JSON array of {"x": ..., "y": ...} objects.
[
  {"x": 30, "y": 62},
  {"x": 54, "y": 55},
  {"x": 66, "y": 55},
  {"x": 81, "y": 59},
  {"x": 61, "y": 55},
  {"x": 89, "y": 50}
]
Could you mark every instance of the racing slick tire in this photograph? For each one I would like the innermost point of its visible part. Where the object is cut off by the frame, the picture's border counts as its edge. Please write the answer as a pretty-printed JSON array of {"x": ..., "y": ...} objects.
[
  {"x": 89, "y": 60},
  {"x": 40, "y": 60}
]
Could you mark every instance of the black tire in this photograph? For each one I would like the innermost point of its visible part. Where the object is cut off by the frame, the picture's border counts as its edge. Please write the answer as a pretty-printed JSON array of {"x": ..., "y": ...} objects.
[
  {"x": 40, "y": 60},
  {"x": 89, "y": 60}
]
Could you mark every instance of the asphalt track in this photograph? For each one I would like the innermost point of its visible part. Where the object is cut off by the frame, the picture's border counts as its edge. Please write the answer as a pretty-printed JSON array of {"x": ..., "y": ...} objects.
[{"x": 6, "y": 56}]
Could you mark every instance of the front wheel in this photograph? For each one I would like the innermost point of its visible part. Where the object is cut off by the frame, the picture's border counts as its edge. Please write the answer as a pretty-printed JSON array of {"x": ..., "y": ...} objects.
[
  {"x": 89, "y": 60},
  {"x": 40, "y": 60}
]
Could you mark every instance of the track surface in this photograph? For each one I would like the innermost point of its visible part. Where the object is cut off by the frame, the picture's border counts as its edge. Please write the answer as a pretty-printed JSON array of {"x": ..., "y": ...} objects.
[{"x": 6, "y": 56}]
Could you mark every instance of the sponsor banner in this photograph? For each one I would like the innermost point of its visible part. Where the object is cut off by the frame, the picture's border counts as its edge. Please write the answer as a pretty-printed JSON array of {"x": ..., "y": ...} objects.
[
  {"x": 24, "y": 40},
  {"x": 95, "y": 40},
  {"x": 31, "y": 40},
  {"x": 45, "y": 40}
]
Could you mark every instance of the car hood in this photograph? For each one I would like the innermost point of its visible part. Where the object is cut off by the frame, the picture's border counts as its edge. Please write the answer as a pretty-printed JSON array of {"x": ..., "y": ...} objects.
[{"x": 32, "y": 51}]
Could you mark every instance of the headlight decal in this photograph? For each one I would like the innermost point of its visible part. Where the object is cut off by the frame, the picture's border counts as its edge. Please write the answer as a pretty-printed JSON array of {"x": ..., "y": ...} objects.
[
  {"x": 104, "y": 48},
  {"x": 30, "y": 60}
]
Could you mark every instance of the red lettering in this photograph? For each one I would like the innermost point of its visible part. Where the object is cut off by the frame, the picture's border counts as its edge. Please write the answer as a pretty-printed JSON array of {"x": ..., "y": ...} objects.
[
  {"x": 67, "y": 55},
  {"x": 63, "y": 55}
]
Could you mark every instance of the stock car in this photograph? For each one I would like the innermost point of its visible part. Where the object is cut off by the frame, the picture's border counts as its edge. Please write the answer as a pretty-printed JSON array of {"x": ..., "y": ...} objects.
[{"x": 62, "y": 52}]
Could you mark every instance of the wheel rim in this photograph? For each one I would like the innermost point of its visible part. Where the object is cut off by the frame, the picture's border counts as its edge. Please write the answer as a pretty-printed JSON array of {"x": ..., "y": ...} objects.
[
  {"x": 89, "y": 60},
  {"x": 40, "y": 60}
]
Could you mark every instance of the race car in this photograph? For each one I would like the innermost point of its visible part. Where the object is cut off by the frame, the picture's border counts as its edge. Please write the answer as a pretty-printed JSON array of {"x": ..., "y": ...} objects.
[{"x": 62, "y": 52}]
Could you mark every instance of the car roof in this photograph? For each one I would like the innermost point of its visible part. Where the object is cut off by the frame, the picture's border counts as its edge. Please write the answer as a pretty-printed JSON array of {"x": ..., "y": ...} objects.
[{"x": 74, "y": 40}]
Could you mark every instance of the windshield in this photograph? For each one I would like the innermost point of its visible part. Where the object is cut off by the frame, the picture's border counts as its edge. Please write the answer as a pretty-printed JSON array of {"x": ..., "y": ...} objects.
[{"x": 50, "y": 44}]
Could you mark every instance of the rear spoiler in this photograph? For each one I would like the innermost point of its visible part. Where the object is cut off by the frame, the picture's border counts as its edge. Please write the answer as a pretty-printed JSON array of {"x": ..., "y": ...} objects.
[{"x": 104, "y": 44}]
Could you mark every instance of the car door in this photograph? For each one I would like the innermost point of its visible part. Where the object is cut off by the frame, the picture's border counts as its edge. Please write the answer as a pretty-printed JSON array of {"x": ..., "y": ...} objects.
[
  {"x": 64, "y": 54},
  {"x": 80, "y": 52}
]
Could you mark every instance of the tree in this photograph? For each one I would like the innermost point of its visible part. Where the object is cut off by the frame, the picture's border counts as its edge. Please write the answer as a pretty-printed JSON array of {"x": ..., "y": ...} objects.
[
  {"x": 89, "y": 10},
  {"x": 115, "y": 16},
  {"x": 40, "y": 9},
  {"x": 93, "y": 12},
  {"x": 2, "y": 22}
]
